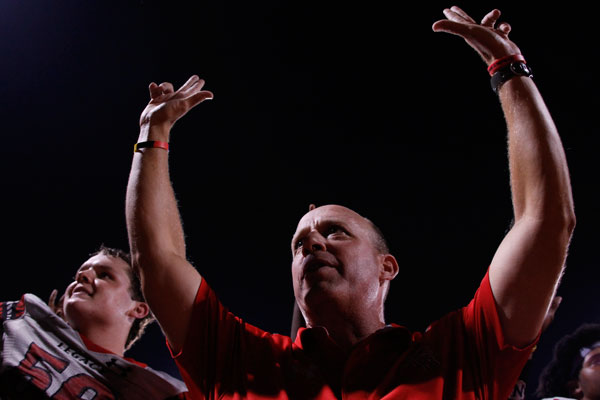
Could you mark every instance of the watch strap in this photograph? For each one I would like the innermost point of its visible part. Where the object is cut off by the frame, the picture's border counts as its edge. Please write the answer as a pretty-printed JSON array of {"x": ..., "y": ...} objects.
[{"x": 502, "y": 75}]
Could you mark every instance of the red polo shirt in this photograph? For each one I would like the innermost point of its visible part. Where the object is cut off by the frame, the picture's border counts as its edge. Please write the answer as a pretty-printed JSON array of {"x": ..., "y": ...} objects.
[{"x": 460, "y": 356}]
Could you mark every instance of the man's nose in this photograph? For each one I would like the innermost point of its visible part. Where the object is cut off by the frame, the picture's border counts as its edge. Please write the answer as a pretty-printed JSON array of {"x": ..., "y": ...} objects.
[
  {"x": 85, "y": 276},
  {"x": 313, "y": 242}
]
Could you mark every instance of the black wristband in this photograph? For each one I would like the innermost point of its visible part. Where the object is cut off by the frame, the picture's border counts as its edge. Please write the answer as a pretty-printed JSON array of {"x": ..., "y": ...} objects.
[{"x": 517, "y": 68}]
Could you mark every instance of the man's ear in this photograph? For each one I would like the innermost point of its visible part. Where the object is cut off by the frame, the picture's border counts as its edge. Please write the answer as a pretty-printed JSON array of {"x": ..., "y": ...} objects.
[
  {"x": 140, "y": 310},
  {"x": 389, "y": 267},
  {"x": 575, "y": 389}
]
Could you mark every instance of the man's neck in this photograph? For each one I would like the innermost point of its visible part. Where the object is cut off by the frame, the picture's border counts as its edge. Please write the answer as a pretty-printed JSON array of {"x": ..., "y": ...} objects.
[
  {"x": 107, "y": 339},
  {"x": 347, "y": 331}
]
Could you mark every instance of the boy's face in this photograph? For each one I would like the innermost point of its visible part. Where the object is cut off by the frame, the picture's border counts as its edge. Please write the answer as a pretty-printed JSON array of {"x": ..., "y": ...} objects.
[{"x": 100, "y": 293}]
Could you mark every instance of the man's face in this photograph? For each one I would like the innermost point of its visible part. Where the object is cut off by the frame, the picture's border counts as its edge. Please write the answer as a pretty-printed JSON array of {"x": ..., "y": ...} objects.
[
  {"x": 589, "y": 376},
  {"x": 100, "y": 292},
  {"x": 335, "y": 259}
]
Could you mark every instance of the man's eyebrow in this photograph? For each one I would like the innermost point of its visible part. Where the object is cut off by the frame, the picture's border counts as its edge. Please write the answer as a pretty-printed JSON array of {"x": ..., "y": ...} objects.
[
  {"x": 334, "y": 221},
  {"x": 111, "y": 268},
  {"x": 296, "y": 234},
  {"x": 325, "y": 222},
  {"x": 100, "y": 265},
  {"x": 299, "y": 233}
]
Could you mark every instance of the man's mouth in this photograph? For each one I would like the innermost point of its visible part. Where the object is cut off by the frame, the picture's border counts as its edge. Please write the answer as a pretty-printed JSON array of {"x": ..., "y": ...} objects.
[
  {"x": 81, "y": 289},
  {"x": 313, "y": 266},
  {"x": 314, "y": 262}
]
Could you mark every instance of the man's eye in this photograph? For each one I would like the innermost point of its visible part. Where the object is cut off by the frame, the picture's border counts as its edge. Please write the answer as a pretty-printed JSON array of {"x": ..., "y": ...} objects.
[
  {"x": 298, "y": 244},
  {"x": 103, "y": 275},
  {"x": 334, "y": 229},
  {"x": 594, "y": 360}
]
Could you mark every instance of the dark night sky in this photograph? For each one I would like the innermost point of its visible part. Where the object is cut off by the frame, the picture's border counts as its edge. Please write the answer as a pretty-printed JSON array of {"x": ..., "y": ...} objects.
[{"x": 358, "y": 104}]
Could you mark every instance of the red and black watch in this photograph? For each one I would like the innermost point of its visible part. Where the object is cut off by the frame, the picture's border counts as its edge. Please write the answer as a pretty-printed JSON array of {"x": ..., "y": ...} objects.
[{"x": 509, "y": 71}]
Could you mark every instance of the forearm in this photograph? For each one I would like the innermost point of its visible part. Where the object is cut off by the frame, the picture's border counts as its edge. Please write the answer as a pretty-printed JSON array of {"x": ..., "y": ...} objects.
[
  {"x": 157, "y": 242},
  {"x": 529, "y": 262},
  {"x": 538, "y": 168},
  {"x": 153, "y": 218}
]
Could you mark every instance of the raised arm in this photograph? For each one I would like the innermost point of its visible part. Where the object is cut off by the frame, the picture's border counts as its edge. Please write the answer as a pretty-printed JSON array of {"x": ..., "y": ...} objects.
[
  {"x": 528, "y": 263},
  {"x": 156, "y": 237}
]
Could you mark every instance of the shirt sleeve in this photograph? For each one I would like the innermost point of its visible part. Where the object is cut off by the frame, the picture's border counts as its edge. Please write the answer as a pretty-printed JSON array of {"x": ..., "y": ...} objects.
[
  {"x": 501, "y": 363},
  {"x": 470, "y": 347},
  {"x": 12, "y": 309},
  {"x": 225, "y": 354}
]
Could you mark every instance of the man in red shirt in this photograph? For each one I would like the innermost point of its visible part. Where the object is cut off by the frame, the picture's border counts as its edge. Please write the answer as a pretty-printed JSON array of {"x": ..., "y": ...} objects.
[{"x": 341, "y": 270}]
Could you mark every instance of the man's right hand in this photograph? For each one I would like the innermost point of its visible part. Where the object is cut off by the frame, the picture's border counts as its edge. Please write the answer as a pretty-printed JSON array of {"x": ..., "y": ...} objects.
[
  {"x": 166, "y": 106},
  {"x": 489, "y": 41}
]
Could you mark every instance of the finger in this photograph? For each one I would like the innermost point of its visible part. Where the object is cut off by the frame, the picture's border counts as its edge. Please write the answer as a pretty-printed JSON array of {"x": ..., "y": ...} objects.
[
  {"x": 52, "y": 298},
  {"x": 183, "y": 105},
  {"x": 190, "y": 102},
  {"x": 155, "y": 91},
  {"x": 504, "y": 28},
  {"x": 189, "y": 83},
  {"x": 556, "y": 302},
  {"x": 198, "y": 98},
  {"x": 166, "y": 87},
  {"x": 490, "y": 18},
  {"x": 195, "y": 86},
  {"x": 454, "y": 16},
  {"x": 463, "y": 14},
  {"x": 455, "y": 28}
]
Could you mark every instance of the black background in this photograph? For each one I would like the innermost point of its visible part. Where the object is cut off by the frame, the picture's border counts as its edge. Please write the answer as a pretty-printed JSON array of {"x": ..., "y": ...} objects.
[{"x": 359, "y": 104}]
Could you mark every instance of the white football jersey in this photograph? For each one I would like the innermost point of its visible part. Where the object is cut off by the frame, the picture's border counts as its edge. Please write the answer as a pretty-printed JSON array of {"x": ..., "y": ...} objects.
[{"x": 41, "y": 356}]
